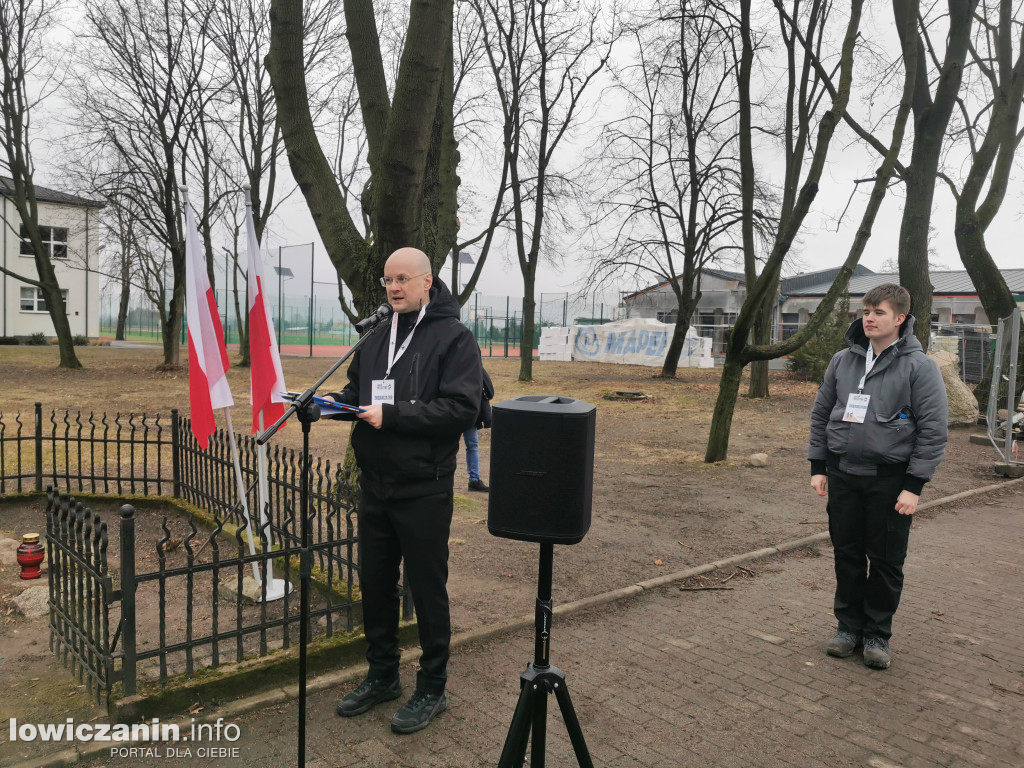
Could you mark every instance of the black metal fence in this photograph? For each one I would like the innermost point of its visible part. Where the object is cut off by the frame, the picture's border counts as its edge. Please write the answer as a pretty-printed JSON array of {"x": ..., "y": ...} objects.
[
  {"x": 172, "y": 617},
  {"x": 81, "y": 592}
]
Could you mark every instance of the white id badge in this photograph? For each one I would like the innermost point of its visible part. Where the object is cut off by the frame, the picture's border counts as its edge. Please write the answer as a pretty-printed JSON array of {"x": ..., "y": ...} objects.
[
  {"x": 383, "y": 391},
  {"x": 856, "y": 408}
]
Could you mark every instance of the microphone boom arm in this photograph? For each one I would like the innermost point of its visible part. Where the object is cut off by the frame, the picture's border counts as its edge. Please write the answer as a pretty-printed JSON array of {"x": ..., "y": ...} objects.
[{"x": 305, "y": 400}]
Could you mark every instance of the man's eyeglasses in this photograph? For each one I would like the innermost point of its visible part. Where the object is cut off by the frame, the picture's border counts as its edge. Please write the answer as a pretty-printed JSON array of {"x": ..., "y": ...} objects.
[{"x": 402, "y": 280}]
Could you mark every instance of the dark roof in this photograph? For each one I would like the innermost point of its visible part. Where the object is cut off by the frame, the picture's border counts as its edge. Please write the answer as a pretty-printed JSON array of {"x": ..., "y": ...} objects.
[
  {"x": 47, "y": 195},
  {"x": 725, "y": 275},
  {"x": 794, "y": 284},
  {"x": 952, "y": 283}
]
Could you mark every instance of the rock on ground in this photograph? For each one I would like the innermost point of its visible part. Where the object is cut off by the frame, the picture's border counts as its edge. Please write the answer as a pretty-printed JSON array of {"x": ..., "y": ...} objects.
[
  {"x": 758, "y": 460},
  {"x": 8, "y": 553},
  {"x": 963, "y": 407},
  {"x": 33, "y": 602}
]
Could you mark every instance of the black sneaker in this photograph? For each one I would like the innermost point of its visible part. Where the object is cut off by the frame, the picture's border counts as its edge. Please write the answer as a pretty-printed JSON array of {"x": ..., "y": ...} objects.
[
  {"x": 842, "y": 644},
  {"x": 478, "y": 485},
  {"x": 369, "y": 694},
  {"x": 876, "y": 653},
  {"x": 417, "y": 712}
]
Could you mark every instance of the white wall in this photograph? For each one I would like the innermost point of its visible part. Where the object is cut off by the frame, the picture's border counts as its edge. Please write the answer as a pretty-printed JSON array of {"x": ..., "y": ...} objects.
[{"x": 76, "y": 273}]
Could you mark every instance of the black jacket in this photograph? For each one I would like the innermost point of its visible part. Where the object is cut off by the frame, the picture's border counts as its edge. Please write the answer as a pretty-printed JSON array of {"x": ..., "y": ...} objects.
[{"x": 438, "y": 384}]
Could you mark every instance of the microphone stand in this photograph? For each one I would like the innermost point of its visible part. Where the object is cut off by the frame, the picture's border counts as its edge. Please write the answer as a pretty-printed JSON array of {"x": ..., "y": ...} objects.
[{"x": 308, "y": 412}]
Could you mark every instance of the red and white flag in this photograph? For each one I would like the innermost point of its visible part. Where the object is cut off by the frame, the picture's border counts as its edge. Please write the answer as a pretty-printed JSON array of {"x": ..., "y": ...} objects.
[
  {"x": 264, "y": 358},
  {"x": 207, "y": 356}
]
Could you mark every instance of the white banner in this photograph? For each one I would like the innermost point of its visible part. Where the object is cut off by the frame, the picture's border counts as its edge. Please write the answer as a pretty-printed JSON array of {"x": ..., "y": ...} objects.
[{"x": 637, "y": 341}]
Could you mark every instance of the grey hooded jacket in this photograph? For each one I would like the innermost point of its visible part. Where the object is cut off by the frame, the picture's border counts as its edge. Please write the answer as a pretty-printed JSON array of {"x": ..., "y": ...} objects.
[{"x": 904, "y": 431}]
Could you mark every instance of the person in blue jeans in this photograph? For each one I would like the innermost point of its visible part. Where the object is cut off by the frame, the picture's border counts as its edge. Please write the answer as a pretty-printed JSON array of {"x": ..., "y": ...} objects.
[{"x": 472, "y": 439}]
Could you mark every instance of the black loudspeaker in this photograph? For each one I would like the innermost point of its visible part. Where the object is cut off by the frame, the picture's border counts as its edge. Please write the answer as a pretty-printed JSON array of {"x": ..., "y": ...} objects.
[{"x": 542, "y": 469}]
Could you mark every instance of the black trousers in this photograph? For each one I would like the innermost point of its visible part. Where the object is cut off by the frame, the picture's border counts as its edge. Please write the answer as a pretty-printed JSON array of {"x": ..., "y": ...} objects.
[
  {"x": 870, "y": 539},
  {"x": 416, "y": 530}
]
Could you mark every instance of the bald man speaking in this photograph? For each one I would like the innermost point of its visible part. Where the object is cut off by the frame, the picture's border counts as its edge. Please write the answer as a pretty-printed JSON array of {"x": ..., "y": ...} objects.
[{"x": 418, "y": 379}]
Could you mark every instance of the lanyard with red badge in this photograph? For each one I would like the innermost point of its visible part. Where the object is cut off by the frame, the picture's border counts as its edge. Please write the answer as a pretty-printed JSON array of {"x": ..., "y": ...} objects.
[{"x": 384, "y": 389}]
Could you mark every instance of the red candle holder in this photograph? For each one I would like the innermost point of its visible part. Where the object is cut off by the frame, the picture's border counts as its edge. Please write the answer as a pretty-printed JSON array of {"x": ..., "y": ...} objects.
[{"x": 30, "y": 555}]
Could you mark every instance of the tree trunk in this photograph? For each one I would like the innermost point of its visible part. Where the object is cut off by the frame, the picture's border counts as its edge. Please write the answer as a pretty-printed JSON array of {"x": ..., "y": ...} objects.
[
  {"x": 59, "y": 316},
  {"x": 762, "y": 337},
  {"x": 526, "y": 343},
  {"x": 242, "y": 321},
  {"x": 913, "y": 244},
  {"x": 725, "y": 405},
  {"x": 397, "y": 189},
  {"x": 126, "y": 293},
  {"x": 351, "y": 255},
  {"x": 172, "y": 324},
  {"x": 397, "y": 150},
  {"x": 931, "y": 118},
  {"x": 675, "y": 348},
  {"x": 687, "y": 299}
]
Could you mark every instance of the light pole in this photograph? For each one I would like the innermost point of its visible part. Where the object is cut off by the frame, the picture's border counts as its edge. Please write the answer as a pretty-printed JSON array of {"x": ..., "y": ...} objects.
[{"x": 282, "y": 272}]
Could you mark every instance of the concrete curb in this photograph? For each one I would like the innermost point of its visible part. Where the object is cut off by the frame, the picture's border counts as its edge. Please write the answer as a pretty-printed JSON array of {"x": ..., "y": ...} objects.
[{"x": 273, "y": 696}]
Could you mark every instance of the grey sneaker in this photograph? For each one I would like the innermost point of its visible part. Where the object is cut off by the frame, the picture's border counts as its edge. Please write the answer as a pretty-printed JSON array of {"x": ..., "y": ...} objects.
[
  {"x": 842, "y": 644},
  {"x": 876, "y": 653},
  {"x": 417, "y": 712},
  {"x": 369, "y": 694}
]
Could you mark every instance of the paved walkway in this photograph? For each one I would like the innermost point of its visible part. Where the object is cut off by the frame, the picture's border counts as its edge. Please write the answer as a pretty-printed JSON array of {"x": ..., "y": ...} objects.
[{"x": 731, "y": 677}]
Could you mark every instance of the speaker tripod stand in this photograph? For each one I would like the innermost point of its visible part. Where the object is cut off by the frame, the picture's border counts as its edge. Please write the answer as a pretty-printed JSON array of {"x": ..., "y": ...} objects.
[{"x": 539, "y": 680}]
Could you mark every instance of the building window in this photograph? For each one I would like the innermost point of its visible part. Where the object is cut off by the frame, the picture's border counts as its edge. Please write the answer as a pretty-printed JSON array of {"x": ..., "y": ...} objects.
[
  {"x": 55, "y": 240},
  {"x": 32, "y": 300},
  {"x": 964, "y": 319},
  {"x": 667, "y": 317},
  {"x": 790, "y": 324}
]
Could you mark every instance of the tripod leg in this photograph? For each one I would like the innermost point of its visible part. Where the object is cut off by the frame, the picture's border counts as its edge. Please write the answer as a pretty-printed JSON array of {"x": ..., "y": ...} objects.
[
  {"x": 572, "y": 725},
  {"x": 514, "y": 751},
  {"x": 540, "y": 722}
]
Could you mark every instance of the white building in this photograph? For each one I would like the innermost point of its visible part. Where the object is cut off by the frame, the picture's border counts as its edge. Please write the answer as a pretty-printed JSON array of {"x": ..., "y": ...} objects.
[{"x": 70, "y": 229}]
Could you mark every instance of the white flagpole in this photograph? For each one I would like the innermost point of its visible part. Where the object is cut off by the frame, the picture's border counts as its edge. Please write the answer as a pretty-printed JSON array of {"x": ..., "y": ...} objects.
[
  {"x": 276, "y": 588},
  {"x": 241, "y": 493}
]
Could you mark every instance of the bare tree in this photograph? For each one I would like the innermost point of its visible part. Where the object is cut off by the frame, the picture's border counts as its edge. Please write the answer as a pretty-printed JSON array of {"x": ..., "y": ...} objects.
[
  {"x": 473, "y": 103},
  {"x": 990, "y": 127},
  {"x": 122, "y": 254},
  {"x": 246, "y": 115},
  {"x": 24, "y": 26},
  {"x": 932, "y": 113},
  {"x": 543, "y": 56},
  {"x": 760, "y": 290},
  {"x": 669, "y": 168},
  {"x": 143, "y": 102}
]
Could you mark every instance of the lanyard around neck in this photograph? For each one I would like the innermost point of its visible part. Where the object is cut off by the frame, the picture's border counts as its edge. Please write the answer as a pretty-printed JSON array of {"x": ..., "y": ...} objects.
[
  {"x": 392, "y": 355},
  {"x": 869, "y": 362}
]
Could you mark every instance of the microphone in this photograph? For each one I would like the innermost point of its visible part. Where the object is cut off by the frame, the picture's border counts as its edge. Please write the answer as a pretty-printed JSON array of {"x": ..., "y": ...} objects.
[{"x": 383, "y": 312}]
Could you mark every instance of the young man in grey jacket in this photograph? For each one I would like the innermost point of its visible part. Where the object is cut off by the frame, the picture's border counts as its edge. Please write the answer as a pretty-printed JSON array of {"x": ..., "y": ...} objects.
[{"x": 878, "y": 432}]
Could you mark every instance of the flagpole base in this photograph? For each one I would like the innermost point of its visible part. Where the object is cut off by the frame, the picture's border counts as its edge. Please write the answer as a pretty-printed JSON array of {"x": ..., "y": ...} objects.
[{"x": 276, "y": 589}]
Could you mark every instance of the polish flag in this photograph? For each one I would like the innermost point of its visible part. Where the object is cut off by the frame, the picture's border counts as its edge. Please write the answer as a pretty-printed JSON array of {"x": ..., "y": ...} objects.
[
  {"x": 207, "y": 357},
  {"x": 264, "y": 358}
]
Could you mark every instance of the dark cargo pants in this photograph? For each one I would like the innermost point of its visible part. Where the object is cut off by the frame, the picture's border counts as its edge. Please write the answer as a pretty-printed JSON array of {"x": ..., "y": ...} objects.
[{"x": 869, "y": 538}]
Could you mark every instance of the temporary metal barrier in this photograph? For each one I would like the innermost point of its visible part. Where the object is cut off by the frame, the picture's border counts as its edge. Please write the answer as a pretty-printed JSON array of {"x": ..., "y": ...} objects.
[{"x": 1004, "y": 417}]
